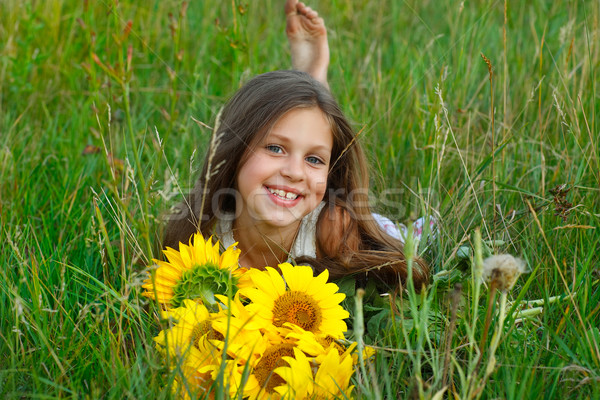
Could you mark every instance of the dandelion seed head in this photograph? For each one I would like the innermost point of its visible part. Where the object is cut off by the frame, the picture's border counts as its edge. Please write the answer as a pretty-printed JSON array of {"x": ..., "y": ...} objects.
[{"x": 503, "y": 270}]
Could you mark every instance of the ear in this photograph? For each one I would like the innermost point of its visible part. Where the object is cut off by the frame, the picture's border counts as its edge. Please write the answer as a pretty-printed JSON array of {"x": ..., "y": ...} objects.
[{"x": 337, "y": 234}]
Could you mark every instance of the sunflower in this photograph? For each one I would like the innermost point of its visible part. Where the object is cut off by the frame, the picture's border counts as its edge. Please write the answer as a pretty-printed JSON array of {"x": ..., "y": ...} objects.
[
  {"x": 235, "y": 379},
  {"x": 264, "y": 371},
  {"x": 195, "y": 343},
  {"x": 196, "y": 272},
  {"x": 191, "y": 346},
  {"x": 319, "y": 345},
  {"x": 192, "y": 336},
  {"x": 189, "y": 384},
  {"x": 308, "y": 302},
  {"x": 331, "y": 379},
  {"x": 314, "y": 345},
  {"x": 243, "y": 339}
]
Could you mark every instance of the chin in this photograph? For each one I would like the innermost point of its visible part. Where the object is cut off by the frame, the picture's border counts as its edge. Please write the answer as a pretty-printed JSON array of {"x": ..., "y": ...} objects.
[
  {"x": 282, "y": 218},
  {"x": 281, "y": 222}
]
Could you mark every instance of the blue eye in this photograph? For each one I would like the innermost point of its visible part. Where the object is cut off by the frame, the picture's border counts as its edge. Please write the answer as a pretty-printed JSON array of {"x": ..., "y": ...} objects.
[
  {"x": 273, "y": 148},
  {"x": 314, "y": 160}
]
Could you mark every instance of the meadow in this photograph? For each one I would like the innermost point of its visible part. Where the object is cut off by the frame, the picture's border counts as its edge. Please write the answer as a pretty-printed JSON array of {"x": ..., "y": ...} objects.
[{"x": 480, "y": 113}]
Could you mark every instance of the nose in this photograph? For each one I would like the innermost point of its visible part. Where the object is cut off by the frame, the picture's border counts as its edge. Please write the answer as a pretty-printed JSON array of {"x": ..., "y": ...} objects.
[{"x": 293, "y": 168}]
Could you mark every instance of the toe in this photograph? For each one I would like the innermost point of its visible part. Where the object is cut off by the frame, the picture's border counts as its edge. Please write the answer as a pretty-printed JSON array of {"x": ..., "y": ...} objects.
[
  {"x": 291, "y": 7},
  {"x": 300, "y": 7}
]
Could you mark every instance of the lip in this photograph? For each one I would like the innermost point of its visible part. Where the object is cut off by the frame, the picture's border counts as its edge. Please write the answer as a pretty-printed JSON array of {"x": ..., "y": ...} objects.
[
  {"x": 281, "y": 202},
  {"x": 284, "y": 188}
]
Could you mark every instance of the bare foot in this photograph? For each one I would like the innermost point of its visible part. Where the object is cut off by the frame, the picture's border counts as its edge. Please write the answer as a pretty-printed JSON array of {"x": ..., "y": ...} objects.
[{"x": 307, "y": 36}]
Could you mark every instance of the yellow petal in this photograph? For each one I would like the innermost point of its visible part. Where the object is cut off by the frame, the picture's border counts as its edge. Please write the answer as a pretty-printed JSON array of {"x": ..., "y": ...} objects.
[
  {"x": 186, "y": 257},
  {"x": 331, "y": 300},
  {"x": 173, "y": 255},
  {"x": 297, "y": 278},
  {"x": 269, "y": 282}
]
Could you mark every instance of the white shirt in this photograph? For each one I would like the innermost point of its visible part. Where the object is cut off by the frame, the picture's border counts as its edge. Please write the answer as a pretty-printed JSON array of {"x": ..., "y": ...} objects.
[{"x": 305, "y": 243}]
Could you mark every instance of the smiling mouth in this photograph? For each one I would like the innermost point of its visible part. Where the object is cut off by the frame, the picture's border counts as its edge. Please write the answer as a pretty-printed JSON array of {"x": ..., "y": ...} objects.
[{"x": 282, "y": 194}]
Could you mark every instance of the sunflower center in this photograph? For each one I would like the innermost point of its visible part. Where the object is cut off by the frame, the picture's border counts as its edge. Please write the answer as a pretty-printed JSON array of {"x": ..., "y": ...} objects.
[
  {"x": 201, "y": 329},
  {"x": 202, "y": 282},
  {"x": 297, "y": 308},
  {"x": 271, "y": 359}
]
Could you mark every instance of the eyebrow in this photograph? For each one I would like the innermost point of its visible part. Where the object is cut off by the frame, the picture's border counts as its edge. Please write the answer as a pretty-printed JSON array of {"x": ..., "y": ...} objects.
[{"x": 285, "y": 139}]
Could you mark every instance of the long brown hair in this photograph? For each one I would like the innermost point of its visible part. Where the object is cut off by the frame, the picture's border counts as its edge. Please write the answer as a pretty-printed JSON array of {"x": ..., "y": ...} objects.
[{"x": 348, "y": 239}]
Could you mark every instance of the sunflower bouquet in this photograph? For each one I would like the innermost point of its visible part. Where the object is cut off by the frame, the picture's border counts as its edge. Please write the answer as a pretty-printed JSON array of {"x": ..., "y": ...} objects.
[{"x": 249, "y": 333}]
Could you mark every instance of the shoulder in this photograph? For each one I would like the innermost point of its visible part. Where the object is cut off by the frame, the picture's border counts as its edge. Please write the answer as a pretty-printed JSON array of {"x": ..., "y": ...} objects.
[{"x": 397, "y": 231}]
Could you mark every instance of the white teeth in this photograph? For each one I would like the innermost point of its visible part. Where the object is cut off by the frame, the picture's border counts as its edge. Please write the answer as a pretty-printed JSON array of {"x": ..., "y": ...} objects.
[{"x": 283, "y": 194}]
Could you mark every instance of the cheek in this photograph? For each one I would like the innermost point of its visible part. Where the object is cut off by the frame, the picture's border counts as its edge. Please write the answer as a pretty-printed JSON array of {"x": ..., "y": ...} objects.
[
  {"x": 244, "y": 181},
  {"x": 249, "y": 174},
  {"x": 320, "y": 184}
]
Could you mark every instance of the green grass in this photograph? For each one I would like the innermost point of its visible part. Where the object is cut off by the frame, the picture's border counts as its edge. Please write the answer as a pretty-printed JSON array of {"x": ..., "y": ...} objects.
[{"x": 78, "y": 227}]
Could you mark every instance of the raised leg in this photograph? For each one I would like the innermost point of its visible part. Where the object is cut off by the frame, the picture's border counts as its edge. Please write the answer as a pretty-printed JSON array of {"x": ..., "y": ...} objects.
[{"x": 307, "y": 36}]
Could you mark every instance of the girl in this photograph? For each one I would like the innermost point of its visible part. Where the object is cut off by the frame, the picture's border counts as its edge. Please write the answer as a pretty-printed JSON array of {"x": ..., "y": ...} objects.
[{"x": 286, "y": 178}]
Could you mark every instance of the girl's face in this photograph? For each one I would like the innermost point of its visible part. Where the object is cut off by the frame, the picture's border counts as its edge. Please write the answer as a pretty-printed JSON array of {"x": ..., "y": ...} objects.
[{"x": 285, "y": 176}]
